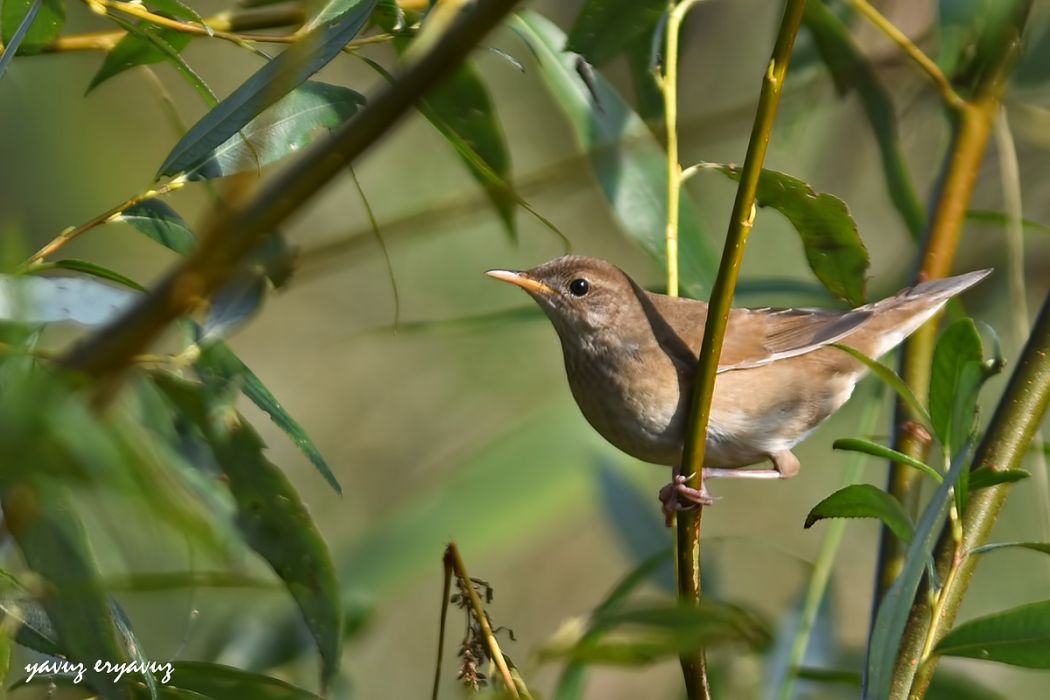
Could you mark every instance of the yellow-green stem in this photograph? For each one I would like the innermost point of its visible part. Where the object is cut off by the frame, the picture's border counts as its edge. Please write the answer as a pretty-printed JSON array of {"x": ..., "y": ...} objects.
[{"x": 743, "y": 216}]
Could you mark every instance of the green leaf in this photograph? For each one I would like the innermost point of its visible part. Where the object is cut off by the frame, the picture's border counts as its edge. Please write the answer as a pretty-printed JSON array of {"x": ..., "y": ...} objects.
[
  {"x": 10, "y": 47},
  {"x": 604, "y": 28},
  {"x": 163, "y": 224},
  {"x": 633, "y": 518},
  {"x": 233, "y": 305},
  {"x": 176, "y": 10},
  {"x": 829, "y": 235},
  {"x": 1043, "y": 547},
  {"x": 268, "y": 85},
  {"x": 892, "y": 615},
  {"x": 947, "y": 685},
  {"x": 217, "y": 361},
  {"x": 984, "y": 477},
  {"x": 1019, "y": 636},
  {"x": 90, "y": 268},
  {"x": 849, "y": 68},
  {"x": 893, "y": 380},
  {"x": 998, "y": 218},
  {"x": 334, "y": 10},
  {"x": 877, "y": 450},
  {"x": 43, "y": 300},
  {"x": 642, "y": 56},
  {"x": 640, "y": 635},
  {"x": 864, "y": 501},
  {"x": 957, "y": 375},
  {"x": 42, "y": 30},
  {"x": 52, "y": 541},
  {"x": 136, "y": 50},
  {"x": 630, "y": 165},
  {"x": 957, "y": 30},
  {"x": 292, "y": 123},
  {"x": 270, "y": 515}
]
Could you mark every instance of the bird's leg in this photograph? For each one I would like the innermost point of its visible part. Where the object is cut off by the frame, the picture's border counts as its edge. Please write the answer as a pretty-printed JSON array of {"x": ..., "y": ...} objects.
[
  {"x": 679, "y": 487},
  {"x": 785, "y": 466}
]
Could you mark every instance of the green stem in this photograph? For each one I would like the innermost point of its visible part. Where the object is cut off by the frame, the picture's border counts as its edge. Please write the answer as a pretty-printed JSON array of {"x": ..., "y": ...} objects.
[
  {"x": 743, "y": 216},
  {"x": 1004, "y": 445},
  {"x": 235, "y": 232}
]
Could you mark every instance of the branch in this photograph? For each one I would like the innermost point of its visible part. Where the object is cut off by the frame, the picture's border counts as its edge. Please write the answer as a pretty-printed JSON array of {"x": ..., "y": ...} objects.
[
  {"x": 1009, "y": 435},
  {"x": 743, "y": 217},
  {"x": 235, "y": 232}
]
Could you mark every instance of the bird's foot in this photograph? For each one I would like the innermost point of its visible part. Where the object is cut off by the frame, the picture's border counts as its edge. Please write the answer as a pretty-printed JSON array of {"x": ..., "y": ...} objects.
[{"x": 679, "y": 495}]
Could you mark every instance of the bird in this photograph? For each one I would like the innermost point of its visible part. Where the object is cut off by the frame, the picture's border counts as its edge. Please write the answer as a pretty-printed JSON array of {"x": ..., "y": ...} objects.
[{"x": 631, "y": 357}]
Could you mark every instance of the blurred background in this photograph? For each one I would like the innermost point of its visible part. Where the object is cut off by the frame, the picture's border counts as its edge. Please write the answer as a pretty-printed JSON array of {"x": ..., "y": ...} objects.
[{"x": 459, "y": 424}]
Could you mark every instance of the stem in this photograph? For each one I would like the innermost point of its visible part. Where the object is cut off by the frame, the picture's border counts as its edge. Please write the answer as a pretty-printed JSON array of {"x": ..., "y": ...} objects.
[
  {"x": 236, "y": 230},
  {"x": 1004, "y": 446},
  {"x": 478, "y": 610},
  {"x": 972, "y": 128},
  {"x": 743, "y": 216},
  {"x": 928, "y": 66}
]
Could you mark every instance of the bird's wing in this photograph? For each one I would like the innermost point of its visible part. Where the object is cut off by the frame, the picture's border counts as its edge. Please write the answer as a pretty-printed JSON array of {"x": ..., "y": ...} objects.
[{"x": 756, "y": 337}]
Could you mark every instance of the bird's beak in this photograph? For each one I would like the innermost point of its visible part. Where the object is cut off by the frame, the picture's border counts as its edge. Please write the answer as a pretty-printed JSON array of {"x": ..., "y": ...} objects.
[{"x": 521, "y": 279}]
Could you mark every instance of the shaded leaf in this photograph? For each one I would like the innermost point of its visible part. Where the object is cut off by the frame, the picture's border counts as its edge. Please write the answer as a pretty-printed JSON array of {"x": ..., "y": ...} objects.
[
  {"x": 829, "y": 235},
  {"x": 892, "y": 615},
  {"x": 176, "y": 10},
  {"x": 893, "y": 380},
  {"x": 604, "y": 28},
  {"x": 334, "y": 10},
  {"x": 42, "y": 29},
  {"x": 270, "y": 515},
  {"x": 948, "y": 685},
  {"x": 79, "y": 300},
  {"x": 235, "y": 303},
  {"x": 877, "y": 450},
  {"x": 292, "y": 123},
  {"x": 163, "y": 224},
  {"x": 265, "y": 87},
  {"x": 90, "y": 268},
  {"x": 998, "y": 218},
  {"x": 643, "y": 56},
  {"x": 984, "y": 477},
  {"x": 864, "y": 501},
  {"x": 1019, "y": 636},
  {"x": 634, "y": 519},
  {"x": 218, "y": 362},
  {"x": 1043, "y": 547},
  {"x": 629, "y": 164},
  {"x": 136, "y": 50},
  {"x": 849, "y": 68},
  {"x": 957, "y": 375}
]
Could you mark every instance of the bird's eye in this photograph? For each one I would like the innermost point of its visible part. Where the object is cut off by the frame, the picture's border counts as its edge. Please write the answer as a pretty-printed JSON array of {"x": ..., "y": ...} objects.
[{"x": 579, "y": 287}]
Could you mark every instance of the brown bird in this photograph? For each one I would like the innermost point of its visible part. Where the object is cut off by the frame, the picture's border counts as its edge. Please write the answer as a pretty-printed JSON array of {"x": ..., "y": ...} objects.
[{"x": 630, "y": 357}]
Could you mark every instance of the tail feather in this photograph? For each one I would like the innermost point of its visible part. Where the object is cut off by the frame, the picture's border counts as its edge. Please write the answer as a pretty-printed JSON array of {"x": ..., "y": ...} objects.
[{"x": 946, "y": 288}]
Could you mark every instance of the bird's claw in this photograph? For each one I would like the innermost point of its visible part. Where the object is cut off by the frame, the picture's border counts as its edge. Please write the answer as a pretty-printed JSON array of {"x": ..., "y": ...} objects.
[{"x": 673, "y": 494}]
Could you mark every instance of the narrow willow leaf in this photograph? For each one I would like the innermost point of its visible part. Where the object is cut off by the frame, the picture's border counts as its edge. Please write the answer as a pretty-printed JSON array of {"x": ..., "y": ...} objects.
[
  {"x": 268, "y": 85},
  {"x": 636, "y": 635},
  {"x": 956, "y": 377},
  {"x": 893, "y": 380},
  {"x": 10, "y": 46},
  {"x": 957, "y": 29},
  {"x": 949, "y": 685},
  {"x": 1043, "y": 547},
  {"x": 176, "y": 10},
  {"x": 877, "y": 450},
  {"x": 833, "y": 248},
  {"x": 54, "y": 545},
  {"x": 636, "y": 523},
  {"x": 334, "y": 10},
  {"x": 604, "y": 28},
  {"x": 642, "y": 62},
  {"x": 80, "y": 300},
  {"x": 998, "y": 218},
  {"x": 849, "y": 68},
  {"x": 90, "y": 268},
  {"x": 136, "y": 50},
  {"x": 41, "y": 29},
  {"x": 629, "y": 164},
  {"x": 984, "y": 477},
  {"x": 217, "y": 361},
  {"x": 233, "y": 305},
  {"x": 163, "y": 224},
  {"x": 270, "y": 515},
  {"x": 864, "y": 501},
  {"x": 1019, "y": 636},
  {"x": 292, "y": 123},
  {"x": 133, "y": 647},
  {"x": 892, "y": 615},
  {"x": 829, "y": 675}
]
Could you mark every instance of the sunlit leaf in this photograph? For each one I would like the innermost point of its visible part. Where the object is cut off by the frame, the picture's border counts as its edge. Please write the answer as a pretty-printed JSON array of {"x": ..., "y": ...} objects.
[
  {"x": 893, "y": 380},
  {"x": 217, "y": 361},
  {"x": 291, "y": 124},
  {"x": 90, "y": 268},
  {"x": 849, "y": 68},
  {"x": 877, "y": 450},
  {"x": 42, "y": 30},
  {"x": 22, "y": 26},
  {"x": 270, "y": 515},
  {"x": 896, "y": 604},
  {"x": 176, "y": 10},
  {"x": 984, "y": 477},
  {"x": 79, "y": 300},
  {"x": 629, "y": 164},
  {"x": 1043, "y": 547},
  {"x": 163, "y": 224},
  {"x": 1019, "y": 636},
  {"x": 333, "y": 10},
  {"x": 829, "y": 235},
  {"x": 135, "y": 50},
  {"x": 265, "y": 87},
  {"x": 957, "y": 375},
  {"x": 604, "y": 28},
  {"x": 864, "y": 501}
]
